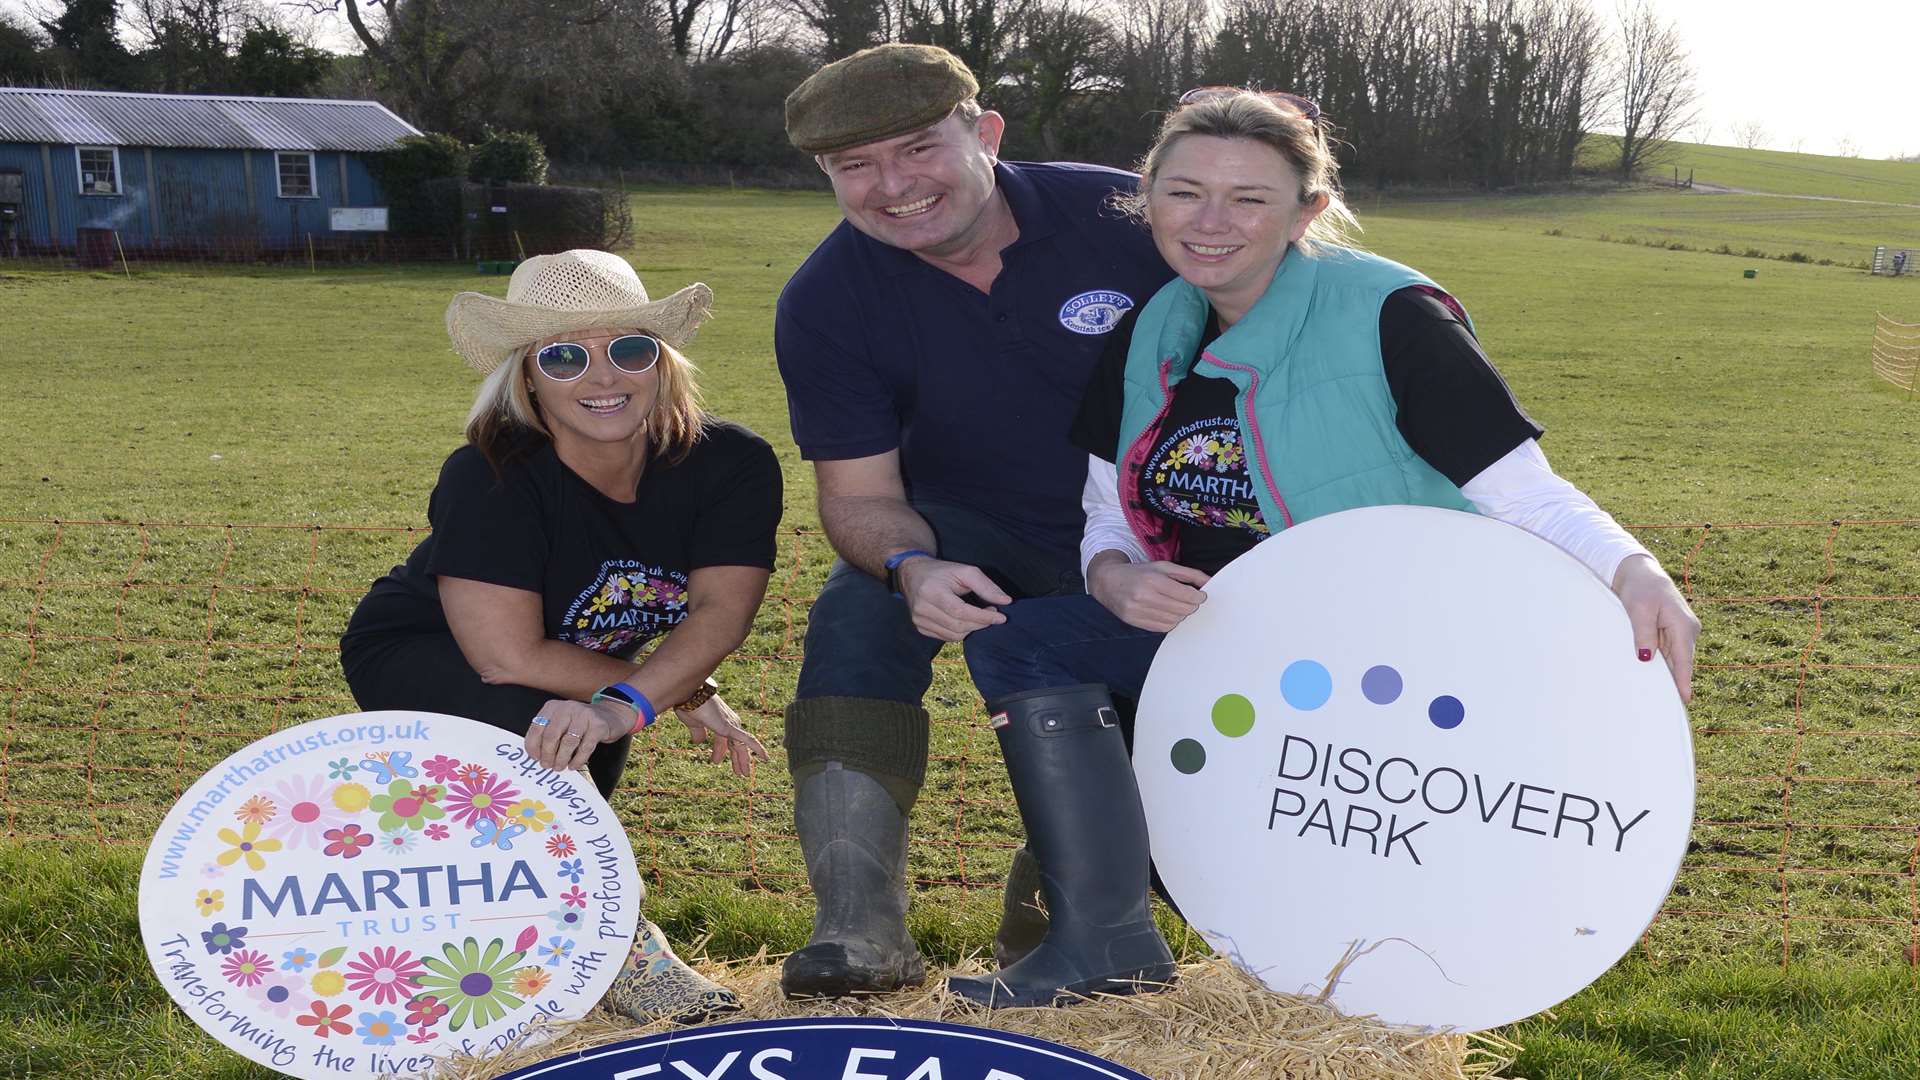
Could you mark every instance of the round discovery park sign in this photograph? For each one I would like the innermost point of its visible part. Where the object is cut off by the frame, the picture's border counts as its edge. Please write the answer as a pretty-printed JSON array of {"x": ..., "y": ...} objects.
[
  {"x": 1407, "y": 756},
  {"x": 368, "y": 893}
]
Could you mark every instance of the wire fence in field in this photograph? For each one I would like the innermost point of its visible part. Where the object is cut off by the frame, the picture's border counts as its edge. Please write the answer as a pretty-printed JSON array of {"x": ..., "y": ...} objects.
[
  {"x": 1896, "y": 352},
  {"x": 135, "y": 656}
]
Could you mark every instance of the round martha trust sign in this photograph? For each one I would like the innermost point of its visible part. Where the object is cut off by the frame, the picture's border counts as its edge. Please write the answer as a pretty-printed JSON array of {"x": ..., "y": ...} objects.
[
  {"x": 367, "y": 893},
  {"x": 1420, "y": 739}
]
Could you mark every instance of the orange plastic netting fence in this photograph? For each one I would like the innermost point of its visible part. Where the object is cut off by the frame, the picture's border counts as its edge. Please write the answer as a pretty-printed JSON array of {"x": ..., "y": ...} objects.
[{"x": 134, "y": 656}]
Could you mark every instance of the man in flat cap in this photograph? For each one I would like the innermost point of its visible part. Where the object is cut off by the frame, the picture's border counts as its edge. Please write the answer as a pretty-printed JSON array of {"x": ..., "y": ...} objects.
[{"x": 934, "y": 347}]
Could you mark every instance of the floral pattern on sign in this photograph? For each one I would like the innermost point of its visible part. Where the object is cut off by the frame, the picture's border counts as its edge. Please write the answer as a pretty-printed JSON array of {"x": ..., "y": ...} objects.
[
  {"x": 306, "y": 812},
  {"x": 383, "y": 975},
  {"x": 363, "y": 815},
  {"x": 482, "y": 797},
  {"x": 473, "y": 980}
]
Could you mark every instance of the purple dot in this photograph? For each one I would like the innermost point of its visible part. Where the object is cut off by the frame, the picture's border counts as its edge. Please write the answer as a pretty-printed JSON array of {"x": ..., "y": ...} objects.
[
  {"x": 1446, "y": 712},
  {"x": 478, "y": 984},
  {"x": 277, "y": 994},
  {"x": 1381, "y": 684}
]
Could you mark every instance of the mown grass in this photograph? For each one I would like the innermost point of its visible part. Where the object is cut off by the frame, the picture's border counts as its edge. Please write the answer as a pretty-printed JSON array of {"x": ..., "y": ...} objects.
[
  {"x": 1776, "y": 171},
  {"x": 1749, "y": 227},
  {"x": 1674, "y": 390}
]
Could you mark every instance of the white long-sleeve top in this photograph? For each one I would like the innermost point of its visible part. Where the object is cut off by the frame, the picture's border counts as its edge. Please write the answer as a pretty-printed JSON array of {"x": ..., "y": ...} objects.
[{"x": 1519, "y": 489}]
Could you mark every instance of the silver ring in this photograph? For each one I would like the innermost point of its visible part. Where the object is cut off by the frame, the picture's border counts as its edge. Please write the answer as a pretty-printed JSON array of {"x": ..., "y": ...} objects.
[
  {"x": 571, "y": 735},
  {"x": 540, "y": 721}
]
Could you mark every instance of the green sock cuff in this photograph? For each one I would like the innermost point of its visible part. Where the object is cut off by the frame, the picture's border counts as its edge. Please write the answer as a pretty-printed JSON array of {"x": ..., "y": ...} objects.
[{"x": 873, "y": 735}]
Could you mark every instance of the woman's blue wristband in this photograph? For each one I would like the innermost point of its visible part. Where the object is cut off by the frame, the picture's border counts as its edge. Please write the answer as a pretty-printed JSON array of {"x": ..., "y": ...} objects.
[{"x": 627, "y": 693}]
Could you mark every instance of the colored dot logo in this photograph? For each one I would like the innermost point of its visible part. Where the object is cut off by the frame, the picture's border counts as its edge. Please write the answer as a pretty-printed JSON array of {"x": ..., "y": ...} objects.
[
  {"x": 1307, "y": 685},
  {"x": 1381, "y": 685},
  {"x": 1233, "y": 716},
  {"x": 1189, "y": 756}
]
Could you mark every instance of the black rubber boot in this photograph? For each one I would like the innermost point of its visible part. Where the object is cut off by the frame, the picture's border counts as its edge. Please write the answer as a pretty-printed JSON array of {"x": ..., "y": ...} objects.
[
  {"x": 1081, "y": 806},
  {"x": 1023, "y": 911},
  {"x": 854, "y": 836}
]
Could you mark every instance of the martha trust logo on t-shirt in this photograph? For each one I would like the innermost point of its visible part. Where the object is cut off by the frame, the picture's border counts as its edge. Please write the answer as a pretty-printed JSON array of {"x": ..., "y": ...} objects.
[
  {"x": 1199, "y": 476},
  {"x": 628, "y": 602}
]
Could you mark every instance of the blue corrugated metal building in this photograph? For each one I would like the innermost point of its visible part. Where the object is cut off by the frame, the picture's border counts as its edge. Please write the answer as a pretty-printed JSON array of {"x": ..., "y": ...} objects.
[{"x": 177, "y": 172}]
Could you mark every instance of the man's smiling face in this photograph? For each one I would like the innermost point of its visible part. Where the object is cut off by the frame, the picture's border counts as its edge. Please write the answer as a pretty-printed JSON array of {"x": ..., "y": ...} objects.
[{"x": 926, "y": 191}]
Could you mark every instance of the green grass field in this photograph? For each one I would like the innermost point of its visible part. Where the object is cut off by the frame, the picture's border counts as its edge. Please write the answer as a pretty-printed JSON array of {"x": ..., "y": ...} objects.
[
  {"x": 1778, "y": 171},
  {"x": 1674, "y": 390}
]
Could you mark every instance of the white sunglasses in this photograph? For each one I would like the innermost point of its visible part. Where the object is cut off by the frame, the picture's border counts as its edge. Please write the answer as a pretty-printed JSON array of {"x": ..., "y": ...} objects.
[{"x": 565, "y": 361}]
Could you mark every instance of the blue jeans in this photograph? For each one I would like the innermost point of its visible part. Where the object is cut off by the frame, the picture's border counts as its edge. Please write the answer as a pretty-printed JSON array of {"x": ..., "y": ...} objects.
[
  {"x": 1060, "y": 641},
  {"x": 861, "y": 642}
]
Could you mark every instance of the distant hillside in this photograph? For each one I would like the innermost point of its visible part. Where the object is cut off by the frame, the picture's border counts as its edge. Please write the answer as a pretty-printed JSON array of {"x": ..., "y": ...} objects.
[{"x": 1779, "y": 172}]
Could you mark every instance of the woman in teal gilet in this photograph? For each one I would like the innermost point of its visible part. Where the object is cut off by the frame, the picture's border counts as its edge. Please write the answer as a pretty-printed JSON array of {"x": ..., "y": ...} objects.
[{"x": 1282, "y": 376}]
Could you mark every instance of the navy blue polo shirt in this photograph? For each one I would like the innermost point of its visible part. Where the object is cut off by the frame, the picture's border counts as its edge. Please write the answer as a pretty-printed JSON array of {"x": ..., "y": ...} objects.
[{"x": 978, "y": 391}]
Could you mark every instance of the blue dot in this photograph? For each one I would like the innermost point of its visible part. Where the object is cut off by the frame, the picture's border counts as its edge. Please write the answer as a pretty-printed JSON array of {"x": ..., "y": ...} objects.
[
  {"x": 1446, "y": 712},
  {"x": 1306, "y": 685},
  {"x": 277, "y": 994},
  {"x": 1381, "y": 684}
]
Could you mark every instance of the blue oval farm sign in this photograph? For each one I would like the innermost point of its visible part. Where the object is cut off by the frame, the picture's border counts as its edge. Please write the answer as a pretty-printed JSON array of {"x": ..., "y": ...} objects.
[{"x": 831, "y": 1048}]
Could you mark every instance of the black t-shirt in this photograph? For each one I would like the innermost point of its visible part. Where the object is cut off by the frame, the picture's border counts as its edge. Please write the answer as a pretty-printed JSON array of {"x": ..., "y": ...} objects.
[
  {"x": 610, "y": 575},
  {"x": 1452, "y": 407}
]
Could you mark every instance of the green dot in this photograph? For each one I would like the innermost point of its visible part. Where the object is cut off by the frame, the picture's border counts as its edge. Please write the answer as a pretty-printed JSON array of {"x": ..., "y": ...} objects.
[
  {"x": 1233, "y": 716},
  {"x": 1189, "y": 757}
]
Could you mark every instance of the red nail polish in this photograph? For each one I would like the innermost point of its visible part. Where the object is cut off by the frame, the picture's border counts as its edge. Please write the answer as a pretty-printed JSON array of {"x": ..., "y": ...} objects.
[{"x": 1646, "y": 654}]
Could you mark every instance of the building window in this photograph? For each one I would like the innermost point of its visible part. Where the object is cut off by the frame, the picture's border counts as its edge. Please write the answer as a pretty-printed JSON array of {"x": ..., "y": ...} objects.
[
  {"x": 99, "y": 169},
  {"x": 295, "y": 169}
]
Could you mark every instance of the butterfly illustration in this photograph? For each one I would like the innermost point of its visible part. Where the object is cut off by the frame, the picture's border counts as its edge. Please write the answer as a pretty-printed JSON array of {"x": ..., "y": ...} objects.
[
  {"x": 386, "y": 767},
  {"x": 491, "y": 833}
]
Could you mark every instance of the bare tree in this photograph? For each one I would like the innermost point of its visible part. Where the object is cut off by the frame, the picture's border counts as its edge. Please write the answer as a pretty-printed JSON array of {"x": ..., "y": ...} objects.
[
  {"x": 977, "y": 31},
  {"x": 1750, "y": 134},
  {"x": 1846, "y": 147},
  {"x": 1654, "y": 92},
  {"x": 434, "y": 52},
  {"x": 1797, "y": 143},
  {"x": 1054, "y": 65},
  {"x": 844, "y": 27}
]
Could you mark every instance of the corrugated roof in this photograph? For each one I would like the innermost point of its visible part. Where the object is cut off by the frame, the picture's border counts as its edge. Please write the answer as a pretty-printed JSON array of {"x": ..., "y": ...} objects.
[{"x": 104, "y": 118}]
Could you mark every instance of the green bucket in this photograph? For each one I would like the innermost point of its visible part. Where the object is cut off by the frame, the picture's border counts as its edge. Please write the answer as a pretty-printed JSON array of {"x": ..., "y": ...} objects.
[{"x": 1750, "y": 274}]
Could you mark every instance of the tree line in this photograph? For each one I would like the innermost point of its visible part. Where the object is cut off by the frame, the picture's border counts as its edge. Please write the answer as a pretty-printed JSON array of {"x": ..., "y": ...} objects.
[{"x": 1487, "y": 93}]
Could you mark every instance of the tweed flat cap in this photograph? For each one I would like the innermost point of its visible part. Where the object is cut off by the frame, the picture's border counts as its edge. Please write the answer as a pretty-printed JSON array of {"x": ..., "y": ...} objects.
[{"x": 876, "y": 94}]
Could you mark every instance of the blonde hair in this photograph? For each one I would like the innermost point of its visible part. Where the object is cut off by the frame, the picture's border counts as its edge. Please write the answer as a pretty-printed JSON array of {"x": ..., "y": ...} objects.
[
  {"x": 504, "y": 408},
  {"x": 1274, "y": 122}
]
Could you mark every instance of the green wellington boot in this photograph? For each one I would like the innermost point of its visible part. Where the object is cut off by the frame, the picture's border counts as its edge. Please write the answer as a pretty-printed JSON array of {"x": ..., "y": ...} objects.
[
  {"x": 1081, "y": 805},
  {"x": 854, "y": 837}
]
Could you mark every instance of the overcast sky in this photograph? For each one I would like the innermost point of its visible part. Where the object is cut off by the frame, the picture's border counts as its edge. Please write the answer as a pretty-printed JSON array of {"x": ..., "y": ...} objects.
[
  {"x": 1817, "y": 72},
  {"x": 1814, "y": 73}
]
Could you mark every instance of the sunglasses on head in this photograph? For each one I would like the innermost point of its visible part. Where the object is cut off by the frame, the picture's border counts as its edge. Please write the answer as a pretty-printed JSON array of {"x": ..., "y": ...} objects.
[
  {"x": 1304, "y": 106},
  {"x": 565, "y": 361}
]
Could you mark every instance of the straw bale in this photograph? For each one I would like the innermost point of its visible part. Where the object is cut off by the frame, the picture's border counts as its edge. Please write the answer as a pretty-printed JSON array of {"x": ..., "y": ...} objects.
[{"x": 1217, "y": 1022}]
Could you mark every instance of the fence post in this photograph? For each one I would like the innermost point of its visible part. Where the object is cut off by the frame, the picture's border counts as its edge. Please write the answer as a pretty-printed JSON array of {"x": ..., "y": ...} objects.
[{"x": 311, "y": 268}]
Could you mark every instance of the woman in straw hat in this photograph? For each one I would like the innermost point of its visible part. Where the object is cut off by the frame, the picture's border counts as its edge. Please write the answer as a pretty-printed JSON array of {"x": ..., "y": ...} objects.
[
  {"x": 594, "y": 508},
  {"x": 1282, "y": 376}
]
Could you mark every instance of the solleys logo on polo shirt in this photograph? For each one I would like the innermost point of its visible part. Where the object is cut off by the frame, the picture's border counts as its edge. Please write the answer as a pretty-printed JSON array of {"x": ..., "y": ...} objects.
[{"x": 1095, "y": 312}]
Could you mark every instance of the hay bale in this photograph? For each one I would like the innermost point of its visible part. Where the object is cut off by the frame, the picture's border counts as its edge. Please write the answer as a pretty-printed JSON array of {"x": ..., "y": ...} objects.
[{"x": 1216, "y": 1022}]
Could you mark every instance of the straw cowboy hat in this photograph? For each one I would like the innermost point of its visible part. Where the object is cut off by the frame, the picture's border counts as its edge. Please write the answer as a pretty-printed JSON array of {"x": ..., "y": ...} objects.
[{"x": 574, "y": 290}]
